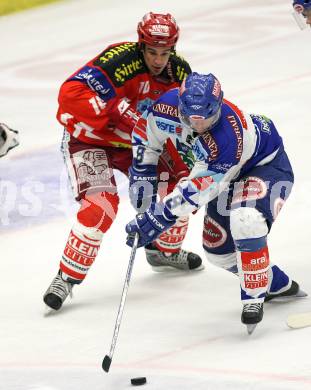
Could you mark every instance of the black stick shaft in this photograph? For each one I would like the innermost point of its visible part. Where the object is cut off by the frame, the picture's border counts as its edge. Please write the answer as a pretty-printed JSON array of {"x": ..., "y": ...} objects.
[{"x": 108, "y": 358}]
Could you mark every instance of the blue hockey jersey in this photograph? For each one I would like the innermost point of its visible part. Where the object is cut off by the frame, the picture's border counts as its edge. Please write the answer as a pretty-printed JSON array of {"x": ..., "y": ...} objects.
[{"x": 237, "y": 143}]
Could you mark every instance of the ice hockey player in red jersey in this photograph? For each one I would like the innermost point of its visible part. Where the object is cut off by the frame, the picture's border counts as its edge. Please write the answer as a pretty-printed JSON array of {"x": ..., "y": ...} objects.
[{"x": 98, "y": 106}]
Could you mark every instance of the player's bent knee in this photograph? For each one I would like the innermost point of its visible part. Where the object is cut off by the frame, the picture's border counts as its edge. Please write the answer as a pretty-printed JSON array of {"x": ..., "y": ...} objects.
[
  {"x": 247, "y": 222},
  {"x": 98, "y": 210}
]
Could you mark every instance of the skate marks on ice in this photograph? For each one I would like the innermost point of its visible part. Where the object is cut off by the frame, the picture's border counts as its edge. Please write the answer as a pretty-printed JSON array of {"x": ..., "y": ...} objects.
[{"x": 81, "y": 378}]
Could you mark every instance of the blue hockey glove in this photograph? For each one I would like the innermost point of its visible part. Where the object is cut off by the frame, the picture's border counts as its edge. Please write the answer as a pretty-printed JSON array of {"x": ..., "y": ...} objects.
[
  {"x": 150, "y": 224},
  {"x": 143, "y": 184}
]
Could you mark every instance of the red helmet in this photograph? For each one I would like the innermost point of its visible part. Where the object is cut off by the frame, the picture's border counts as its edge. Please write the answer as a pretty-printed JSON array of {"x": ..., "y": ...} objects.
[{"x": 158, "y": 30}]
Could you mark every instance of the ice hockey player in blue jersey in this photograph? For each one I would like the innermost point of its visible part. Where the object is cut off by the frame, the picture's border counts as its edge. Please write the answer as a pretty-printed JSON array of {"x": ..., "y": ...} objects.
[
  {"x": 239, "y": 171},
  {"x": 302, "y": 13}
]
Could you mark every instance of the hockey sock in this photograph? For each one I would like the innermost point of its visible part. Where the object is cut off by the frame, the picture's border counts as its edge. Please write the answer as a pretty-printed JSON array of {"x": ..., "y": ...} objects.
[
  {"x": 171, "y": 240},
  {"x": 279, "y": 281},
  {"x": 253, "y": 265},
  {"x": 80, "y": 252}
]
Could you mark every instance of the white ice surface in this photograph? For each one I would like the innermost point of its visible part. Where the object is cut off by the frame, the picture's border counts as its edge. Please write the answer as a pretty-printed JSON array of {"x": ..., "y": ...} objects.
[{"x": 180, "y": 331}]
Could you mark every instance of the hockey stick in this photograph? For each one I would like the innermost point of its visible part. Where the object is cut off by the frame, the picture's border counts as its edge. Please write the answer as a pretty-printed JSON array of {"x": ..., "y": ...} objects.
[
  {"x": 108, "y": 358},
  {"x": 299, "y": 320}
]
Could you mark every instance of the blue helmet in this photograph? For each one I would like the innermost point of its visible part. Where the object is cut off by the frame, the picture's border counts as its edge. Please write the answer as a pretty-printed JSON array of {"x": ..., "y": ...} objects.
[
  {"x": 301, "y": 5},
  {"x": 200, "y": 95}
]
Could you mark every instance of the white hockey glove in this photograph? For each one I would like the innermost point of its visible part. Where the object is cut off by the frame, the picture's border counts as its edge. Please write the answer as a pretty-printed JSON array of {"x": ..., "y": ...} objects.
[{"x": 9, "y": 139}]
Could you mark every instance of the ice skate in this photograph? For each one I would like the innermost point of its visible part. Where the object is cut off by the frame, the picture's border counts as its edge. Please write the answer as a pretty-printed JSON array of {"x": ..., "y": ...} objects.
[
  {"x": 291, "y": 293},
  {"x": 57, "y": 292},
  {"x": 183, "y": 260},
  {"x": 251, "y": 315}
]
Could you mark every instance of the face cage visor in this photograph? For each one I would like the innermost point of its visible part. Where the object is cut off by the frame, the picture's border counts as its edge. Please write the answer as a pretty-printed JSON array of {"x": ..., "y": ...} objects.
[
  {"x": 300, "y": 16},
  {"x": 199, "y": 123}
]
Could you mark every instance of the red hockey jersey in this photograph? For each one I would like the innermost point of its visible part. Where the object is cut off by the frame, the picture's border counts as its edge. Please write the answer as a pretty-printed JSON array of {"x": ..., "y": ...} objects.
[{"x": 90, "y": 101}]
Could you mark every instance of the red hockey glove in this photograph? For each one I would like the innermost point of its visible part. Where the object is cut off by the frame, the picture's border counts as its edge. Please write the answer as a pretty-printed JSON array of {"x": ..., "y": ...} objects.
[{"x": 128, "y": 117}]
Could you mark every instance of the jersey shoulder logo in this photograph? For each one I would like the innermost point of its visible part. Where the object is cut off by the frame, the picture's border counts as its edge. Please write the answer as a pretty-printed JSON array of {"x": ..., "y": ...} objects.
[
  {"x": 178, "y": 68},
  {"x": 113, "y": 53},
  {"x": 238, "y": 133},
  {"x": 121, "y": 63},
  {"x": 262, "y": 122}
]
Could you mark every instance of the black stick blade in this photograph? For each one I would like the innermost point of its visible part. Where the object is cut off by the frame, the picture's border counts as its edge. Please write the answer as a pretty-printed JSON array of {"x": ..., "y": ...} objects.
[{"x": 106, "y": 363}]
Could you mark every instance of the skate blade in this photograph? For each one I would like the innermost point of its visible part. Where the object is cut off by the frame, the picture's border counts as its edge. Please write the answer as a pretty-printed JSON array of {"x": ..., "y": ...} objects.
[
  {"x": 169, "y": 268},
  {"x": 48, "y": 311},
  {"x": 301, "y": 294},
  {"x": 250, "y": 328},
  {"x": 298, "y": 321},
  {"x": 284, "y": 299}
]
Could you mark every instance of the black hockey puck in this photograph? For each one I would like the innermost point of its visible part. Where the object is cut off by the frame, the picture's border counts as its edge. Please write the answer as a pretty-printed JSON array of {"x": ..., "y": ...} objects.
[{"x": 138, "y": 381}]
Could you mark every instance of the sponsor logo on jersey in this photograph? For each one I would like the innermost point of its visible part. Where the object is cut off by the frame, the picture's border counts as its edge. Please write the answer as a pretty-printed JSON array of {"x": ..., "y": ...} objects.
[
  {"x": 121, "y": 63},
  {"x": 167, "y": 127},
  {"x": 95, "y": 80},
  {"x": 181, "y": 73},
  {"x": 252, "y": 188},
  {"x": 185, "y": 153},
  {"x": 199, "y": 151},
  {"x": 214, "y": 235},
  {"x": 222, "y": 167},
  {"x": 262, "y": 123},
  {"x": 211, "y": 144},
  {"x": 166, "y": 109},
  {"x": 126, "y": 70},
  {"x": 92, "y": 170},
  {"x": 109, "y": 54},
  {"x": 236, "y": 128}
]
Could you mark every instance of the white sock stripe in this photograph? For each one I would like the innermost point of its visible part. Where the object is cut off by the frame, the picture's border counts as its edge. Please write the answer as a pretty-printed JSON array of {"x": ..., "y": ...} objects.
[{"x": 74, "y": 266}]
